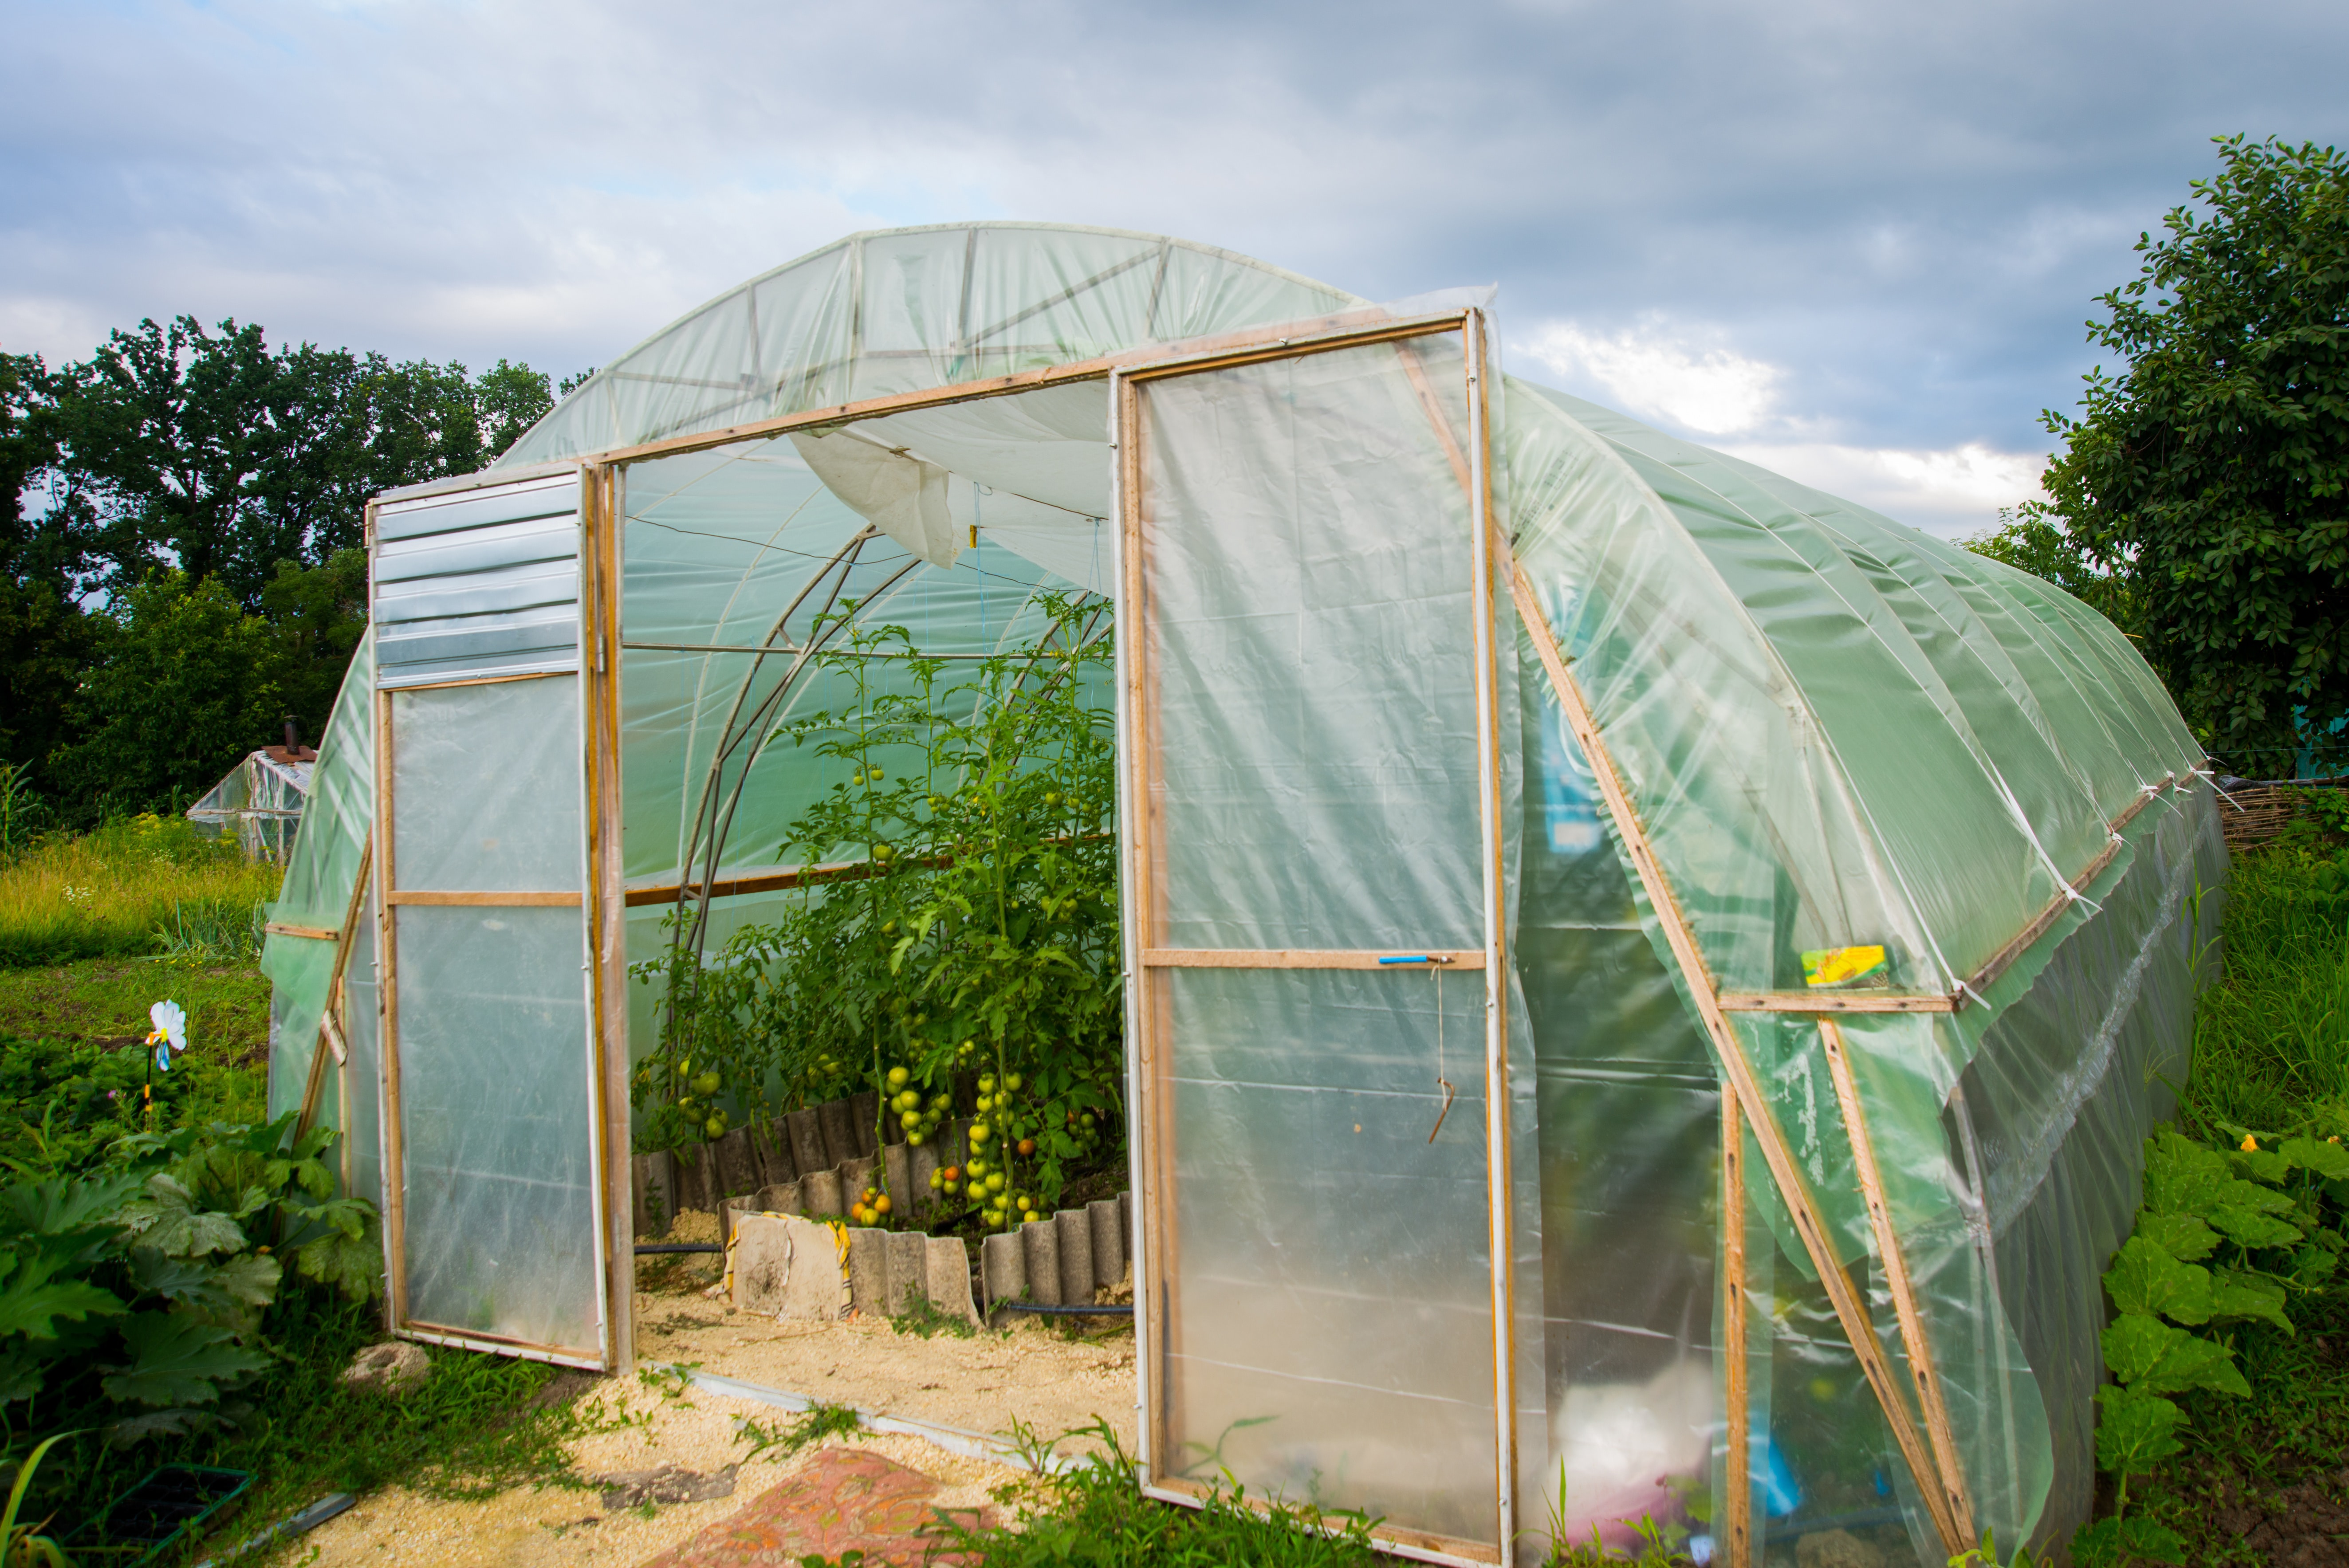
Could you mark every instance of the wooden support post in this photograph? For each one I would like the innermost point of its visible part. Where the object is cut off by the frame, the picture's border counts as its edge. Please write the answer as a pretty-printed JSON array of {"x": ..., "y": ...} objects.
[
  {"x": 1737, "y": 1505},
  {"x": 1913, "y": 1341},
  {"x": 1850, "y": 1309},
  {"x": 600, "y": 501}
]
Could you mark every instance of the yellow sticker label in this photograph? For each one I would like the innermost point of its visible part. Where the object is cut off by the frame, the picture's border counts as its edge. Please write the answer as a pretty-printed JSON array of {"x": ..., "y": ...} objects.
[{"x": 1841, "y": 965}]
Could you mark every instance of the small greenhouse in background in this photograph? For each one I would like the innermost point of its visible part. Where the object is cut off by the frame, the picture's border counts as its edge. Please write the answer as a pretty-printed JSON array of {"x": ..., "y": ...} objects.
[
  {"x": 1643, "y": 982},
  {"x": 259, "y": 803}
]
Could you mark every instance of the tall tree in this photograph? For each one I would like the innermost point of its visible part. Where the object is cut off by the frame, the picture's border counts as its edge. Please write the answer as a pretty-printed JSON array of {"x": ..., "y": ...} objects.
[
  {"x": 45, "y": 638},
  {"x": 211, "y": 454},
  {"x": 2211, "y": 472}
]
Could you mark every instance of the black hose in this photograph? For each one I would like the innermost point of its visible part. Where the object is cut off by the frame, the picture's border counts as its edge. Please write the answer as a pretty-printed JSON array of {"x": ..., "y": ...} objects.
[
  {"x": 1061, "y": 1311},
  {"x": 644, "y": 1247}
]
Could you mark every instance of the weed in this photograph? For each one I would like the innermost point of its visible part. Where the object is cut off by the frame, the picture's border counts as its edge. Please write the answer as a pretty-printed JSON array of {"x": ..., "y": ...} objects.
[
  {"x": 923, "y": 1320},
  {"x": 1093, "y": 1511},
  {"x": 819, "y": 1422}
]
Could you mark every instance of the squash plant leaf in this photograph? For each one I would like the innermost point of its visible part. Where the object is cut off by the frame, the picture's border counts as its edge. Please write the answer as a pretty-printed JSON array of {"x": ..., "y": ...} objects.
[{"x": 2146, "y": 1279}]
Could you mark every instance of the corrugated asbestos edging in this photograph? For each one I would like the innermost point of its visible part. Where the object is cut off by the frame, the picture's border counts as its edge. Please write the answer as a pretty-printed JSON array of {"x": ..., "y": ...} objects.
[{"x": 471, "y": 586}]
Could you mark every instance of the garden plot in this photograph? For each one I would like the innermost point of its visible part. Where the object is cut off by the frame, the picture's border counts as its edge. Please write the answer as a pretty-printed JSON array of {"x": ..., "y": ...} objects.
[{"x": 902, "y": 1358}]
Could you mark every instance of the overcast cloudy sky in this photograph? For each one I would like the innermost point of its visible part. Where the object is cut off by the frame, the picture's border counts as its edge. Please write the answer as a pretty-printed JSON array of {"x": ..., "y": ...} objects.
[{"x": 1854, "y": 241}]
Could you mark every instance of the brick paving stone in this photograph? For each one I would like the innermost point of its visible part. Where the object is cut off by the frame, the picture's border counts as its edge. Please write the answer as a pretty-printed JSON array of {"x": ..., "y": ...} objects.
[{"x": 843, "y": 1500}]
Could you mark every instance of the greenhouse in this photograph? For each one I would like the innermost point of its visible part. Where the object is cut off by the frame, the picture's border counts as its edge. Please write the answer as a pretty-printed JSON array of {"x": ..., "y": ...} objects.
[{"x": 1642, "y": 983}]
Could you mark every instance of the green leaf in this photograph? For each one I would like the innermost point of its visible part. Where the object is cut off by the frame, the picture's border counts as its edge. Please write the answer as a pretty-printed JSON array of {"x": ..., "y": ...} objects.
[
  {"x": 179, "y": 1361},
  {"x": 2235, "y": 1294},
  {"x": 2135, "y": 1431},
  {"x": 2184, "y": 1237},
  {"x": 33, "y": 1298},
  {"x": 2250, "y": 1228},
  {"x": 2327, "y": 1160},
  {"x": 2152, "y": 1358},
  {"x": 2269, "y": 1166},
  {"x": 2098, "y": 1545},
  {"x": 168, "y": 1219},
  {"x": 2143, "y": 1538},
  {"x": 352, "y": 1265},
  {"x": 2146, "y": 1279},
  {"x": 2182, "y": 1177}
]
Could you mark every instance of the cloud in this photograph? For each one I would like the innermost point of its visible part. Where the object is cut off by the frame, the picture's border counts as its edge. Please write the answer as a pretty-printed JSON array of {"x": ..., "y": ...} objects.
[
  {"x": 1653, "y": 372},
  {"x": 1952, "y": 492},
  {"x": 1898, "y": 214}
]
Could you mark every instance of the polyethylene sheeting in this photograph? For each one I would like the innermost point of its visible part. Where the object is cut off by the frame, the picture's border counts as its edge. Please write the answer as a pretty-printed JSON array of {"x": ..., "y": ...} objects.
[
  {"x": 1837, "y": 732},
  {"x": 1313, "y": 751},
  {"x": 319, "y": 874},
  {"x": 912, "y": 308},
  {"x": 496, "y": 1104}
]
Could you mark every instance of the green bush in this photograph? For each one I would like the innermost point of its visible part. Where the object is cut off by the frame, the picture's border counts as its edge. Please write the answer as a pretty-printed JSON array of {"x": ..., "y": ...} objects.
[{"x": 131, "y": 1295}]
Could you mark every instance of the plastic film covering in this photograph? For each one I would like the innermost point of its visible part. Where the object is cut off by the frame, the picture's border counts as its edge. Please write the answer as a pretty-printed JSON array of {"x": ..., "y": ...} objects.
[
  {"x": 1330, "y": 1328},
  {"x": 913, "y": 308},
  {"x": 1629, "y": 1163},
  {"x": 500, "y": 1207},
  {"x": 1840, "y": 733},
  {"x": 485, "y": 791},
  {"x": 319, "y": 874},
  {"x": 2049, "y": 1118},
  {"x": 744, "y": 548},
  {"x": 362, "y": 1075},
  {"x": 259, "y": 805},
  {"x": 497, "y": 1125}
]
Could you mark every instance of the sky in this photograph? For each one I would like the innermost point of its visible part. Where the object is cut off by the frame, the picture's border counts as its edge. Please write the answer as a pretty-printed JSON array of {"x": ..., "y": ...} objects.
[{"x": 1855, "y": 242}]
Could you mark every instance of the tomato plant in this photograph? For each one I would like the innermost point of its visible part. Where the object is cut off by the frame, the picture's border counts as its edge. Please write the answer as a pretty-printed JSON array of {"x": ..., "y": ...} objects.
[{"x": 962, "y": 954}]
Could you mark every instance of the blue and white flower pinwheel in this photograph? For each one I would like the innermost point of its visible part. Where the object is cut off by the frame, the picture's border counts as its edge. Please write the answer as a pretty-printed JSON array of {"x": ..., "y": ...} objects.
[{"x": 169, "y": 1034}]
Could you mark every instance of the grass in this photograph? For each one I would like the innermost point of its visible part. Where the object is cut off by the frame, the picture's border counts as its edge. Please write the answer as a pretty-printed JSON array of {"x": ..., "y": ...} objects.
[
  {"x": 134, "y": 887},
  {"x": 73, "y": 1066}
]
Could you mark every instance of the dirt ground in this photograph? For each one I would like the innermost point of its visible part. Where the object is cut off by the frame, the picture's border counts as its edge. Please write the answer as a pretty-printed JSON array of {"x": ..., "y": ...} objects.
[{"x": 1045, "y": 1379}]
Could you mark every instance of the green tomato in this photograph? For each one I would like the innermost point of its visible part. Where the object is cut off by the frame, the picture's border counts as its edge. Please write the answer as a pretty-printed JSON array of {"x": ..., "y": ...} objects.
[
  {"x": 979, "y": 1132},
  {"x": 897, "y": 1076},
  {"x": 707, "y": 1083},
  {"x": 716, "y": 1125},
  {"x": 995, "y": 1181},
  {"x": 1011, "y": 1080},
  {"x": 909, "y": 1120}
]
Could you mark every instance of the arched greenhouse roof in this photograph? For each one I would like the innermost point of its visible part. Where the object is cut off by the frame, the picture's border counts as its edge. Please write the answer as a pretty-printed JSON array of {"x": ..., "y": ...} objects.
[{"x": 895, "y": 310}]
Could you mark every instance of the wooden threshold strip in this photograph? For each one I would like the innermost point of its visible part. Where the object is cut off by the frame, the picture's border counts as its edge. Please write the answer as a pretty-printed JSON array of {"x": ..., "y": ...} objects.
[
  {"x": 484, "y": 900},
  {"x": 315, "y": 933},
  {"x": 1310, "y": 958}
]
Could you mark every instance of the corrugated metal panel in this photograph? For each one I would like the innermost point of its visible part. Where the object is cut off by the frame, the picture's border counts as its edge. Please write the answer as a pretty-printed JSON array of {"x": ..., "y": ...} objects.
[{"x": 482, "y": 582}]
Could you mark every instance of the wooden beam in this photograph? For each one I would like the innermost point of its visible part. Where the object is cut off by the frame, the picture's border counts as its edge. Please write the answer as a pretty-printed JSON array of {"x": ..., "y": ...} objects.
[
  {"x": 443, "y": 897},
  {"x": 1484, "y": 558},
  {"x": 601, "y": 508},
  {"x": 1850, "y": 1309},
  {"x": 1301, "y": 336},
  {"x": 1311, "y": 958},
  {"x": 1814, "y": 1002},
  {"x": 1916, "y": 1346},
  {"x": 1737, "y": 1507},
  {"x": 312, "y": 933}
]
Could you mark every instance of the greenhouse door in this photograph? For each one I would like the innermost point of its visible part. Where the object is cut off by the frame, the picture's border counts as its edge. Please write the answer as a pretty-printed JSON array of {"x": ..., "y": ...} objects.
[
  {"x": 494, "y": 1197},
  {"x": 1306, "y": 699}
]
